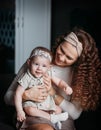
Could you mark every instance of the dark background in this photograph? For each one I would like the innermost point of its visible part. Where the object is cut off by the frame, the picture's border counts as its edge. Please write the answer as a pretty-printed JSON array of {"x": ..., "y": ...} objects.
[{"x": 69, "y": 13}]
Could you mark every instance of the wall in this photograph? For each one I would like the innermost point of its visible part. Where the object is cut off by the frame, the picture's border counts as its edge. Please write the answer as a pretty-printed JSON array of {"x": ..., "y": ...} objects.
[
  {"x": 69, "y": 13},
  {"x": 33, "y": 26},
  {"x": 7, "y": 36}
]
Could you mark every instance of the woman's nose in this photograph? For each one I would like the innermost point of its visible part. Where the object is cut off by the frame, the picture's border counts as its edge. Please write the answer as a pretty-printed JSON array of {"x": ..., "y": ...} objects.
[{"x": 62, "y": 58}]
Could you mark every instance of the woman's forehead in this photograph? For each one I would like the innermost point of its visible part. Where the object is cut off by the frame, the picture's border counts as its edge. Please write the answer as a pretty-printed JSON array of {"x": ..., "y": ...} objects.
[{"x": 69, "y": 49}]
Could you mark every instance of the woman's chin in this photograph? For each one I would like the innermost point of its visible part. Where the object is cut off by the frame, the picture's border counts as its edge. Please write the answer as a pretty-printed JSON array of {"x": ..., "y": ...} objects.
[{"x": 58, "y": 63}]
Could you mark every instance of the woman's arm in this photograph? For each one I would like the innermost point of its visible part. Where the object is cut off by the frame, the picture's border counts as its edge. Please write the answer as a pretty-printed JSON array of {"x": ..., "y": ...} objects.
[
  {"x": 35, "y": 94},
  {"x": 38, "y": 93},
  {"x": 73, "y": 108},
  {"x": 9, "y": 95}
]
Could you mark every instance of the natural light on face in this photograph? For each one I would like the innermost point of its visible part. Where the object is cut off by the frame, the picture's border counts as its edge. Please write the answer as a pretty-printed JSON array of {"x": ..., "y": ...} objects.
[
  {"x": 39, "y": 66},
  {"x": 66, "y": 55}
]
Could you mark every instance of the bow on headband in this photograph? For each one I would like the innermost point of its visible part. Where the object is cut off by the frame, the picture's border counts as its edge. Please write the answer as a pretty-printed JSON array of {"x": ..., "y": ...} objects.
[
  {"x": 42, "y": 53},
  {"x": 72, "y": 39}
]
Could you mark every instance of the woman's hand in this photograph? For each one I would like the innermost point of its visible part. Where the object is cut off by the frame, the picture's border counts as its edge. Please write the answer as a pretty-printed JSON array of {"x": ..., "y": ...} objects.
[{"x": 37, "y": 94}]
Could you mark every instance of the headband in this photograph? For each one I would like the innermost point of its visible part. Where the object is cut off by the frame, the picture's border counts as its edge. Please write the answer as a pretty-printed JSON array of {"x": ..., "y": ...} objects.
[
  {"x": 42, "y": 53},
  {"x": 72, "y": 39}
]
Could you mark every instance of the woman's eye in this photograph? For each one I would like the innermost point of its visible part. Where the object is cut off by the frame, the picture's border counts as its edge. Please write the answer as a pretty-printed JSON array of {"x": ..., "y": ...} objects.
[
  {"x": 59, "y": 54},
  {"x": 69, "y": 58}
]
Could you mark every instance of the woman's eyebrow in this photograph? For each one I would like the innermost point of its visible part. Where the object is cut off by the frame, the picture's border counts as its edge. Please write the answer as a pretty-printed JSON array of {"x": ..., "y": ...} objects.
[
  {"x": 62, "y": 50},
  {"x": 65, "y": 53}
]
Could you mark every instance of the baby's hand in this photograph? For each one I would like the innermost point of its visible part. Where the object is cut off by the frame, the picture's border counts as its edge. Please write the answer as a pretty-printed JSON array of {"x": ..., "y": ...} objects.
[
  {"x": 68, "y": 90},
  {"x": 21, "y": 116}
]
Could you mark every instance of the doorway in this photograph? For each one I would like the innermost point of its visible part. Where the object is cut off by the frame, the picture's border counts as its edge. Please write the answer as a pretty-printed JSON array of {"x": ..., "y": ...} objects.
[{"x": 7, "y": 36}]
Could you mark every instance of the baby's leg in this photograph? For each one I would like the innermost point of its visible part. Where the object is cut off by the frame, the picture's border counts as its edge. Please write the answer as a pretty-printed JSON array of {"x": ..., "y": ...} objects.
[
  {"x": 33, "y": 111},
  {"x": 54, "y": 118},
  {"x": 59, "y": 117}
]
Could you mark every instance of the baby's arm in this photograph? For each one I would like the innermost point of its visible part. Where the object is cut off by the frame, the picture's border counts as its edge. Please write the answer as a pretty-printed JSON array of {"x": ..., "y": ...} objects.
[
  {"x": 67, "y": 89},
  {"x": 18, "y": 103},
  {"x": 63, "y": 85}
]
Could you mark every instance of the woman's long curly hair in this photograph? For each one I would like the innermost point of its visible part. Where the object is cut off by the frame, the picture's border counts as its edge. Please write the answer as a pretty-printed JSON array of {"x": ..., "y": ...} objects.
[{"x": 86, "y": 80}]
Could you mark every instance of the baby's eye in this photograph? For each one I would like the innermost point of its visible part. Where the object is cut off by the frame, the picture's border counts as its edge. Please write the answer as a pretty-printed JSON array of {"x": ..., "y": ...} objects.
[
  {"x": 44, "y": 66},
  {"x": 36, "y": 64}
]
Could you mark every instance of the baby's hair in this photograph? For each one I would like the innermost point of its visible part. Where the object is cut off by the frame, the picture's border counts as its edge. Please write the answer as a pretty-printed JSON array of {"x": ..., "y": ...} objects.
[{"x": 40, "y": 51}]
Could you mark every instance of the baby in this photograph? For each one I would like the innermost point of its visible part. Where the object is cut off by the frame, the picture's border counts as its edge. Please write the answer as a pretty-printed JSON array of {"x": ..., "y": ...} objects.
[{"x": 39, "y": 64}]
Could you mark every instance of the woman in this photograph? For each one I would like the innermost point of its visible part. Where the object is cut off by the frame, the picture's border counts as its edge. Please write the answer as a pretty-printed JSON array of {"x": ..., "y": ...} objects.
[{"x": 76, "y": 60}]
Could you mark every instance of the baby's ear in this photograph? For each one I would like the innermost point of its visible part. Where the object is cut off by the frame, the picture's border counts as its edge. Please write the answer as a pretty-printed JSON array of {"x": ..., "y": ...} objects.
[
  {"x": 28, "y": 62},
  {"x": 50, "y": 66}
]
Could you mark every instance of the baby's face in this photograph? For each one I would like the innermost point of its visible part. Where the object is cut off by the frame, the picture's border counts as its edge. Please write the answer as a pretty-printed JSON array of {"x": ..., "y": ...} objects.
[{"x": 39, "y": 66}]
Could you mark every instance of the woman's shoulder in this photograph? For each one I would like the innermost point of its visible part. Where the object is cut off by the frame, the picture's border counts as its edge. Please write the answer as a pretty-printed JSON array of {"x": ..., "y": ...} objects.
[
  {"x": 56, "y": 68},
  {"x": 62, "y": 73}
]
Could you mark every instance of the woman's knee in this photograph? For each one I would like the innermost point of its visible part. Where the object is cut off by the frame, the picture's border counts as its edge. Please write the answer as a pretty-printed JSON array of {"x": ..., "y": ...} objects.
[{"x": 40, "y": 127}]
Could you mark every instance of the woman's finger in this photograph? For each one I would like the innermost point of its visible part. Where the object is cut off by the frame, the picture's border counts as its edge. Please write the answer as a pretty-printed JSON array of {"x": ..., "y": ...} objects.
[{"x": 42, "y": 98}]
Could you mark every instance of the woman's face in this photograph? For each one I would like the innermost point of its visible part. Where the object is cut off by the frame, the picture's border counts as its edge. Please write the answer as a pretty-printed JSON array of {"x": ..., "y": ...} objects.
[{"x": 66, "y": 54}]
